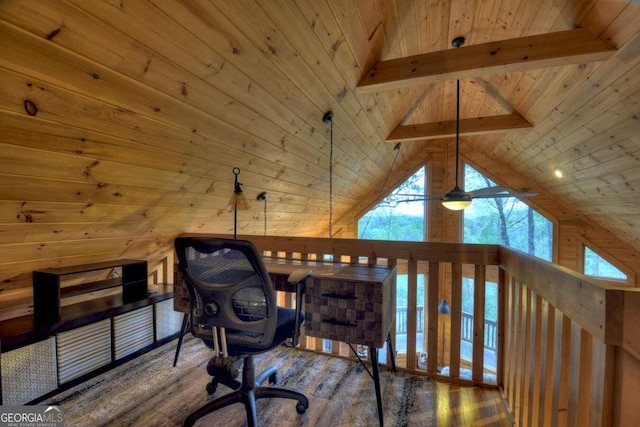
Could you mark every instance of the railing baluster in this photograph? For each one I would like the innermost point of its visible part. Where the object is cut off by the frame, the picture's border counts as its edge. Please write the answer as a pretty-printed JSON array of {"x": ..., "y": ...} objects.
[
  {"x": 432, "y": 316},
  {"x": 536, "y": 376},
  {"x": 392, "y": 332},
  {"x": 584, "y": 378},
  {"x": 456, "y": 320},
  {"x": 529, "y": 311},
  {"x": 478, "y": 323},
  {"x": 513, "y": 340},
  {"x": 412, "y": 302}
]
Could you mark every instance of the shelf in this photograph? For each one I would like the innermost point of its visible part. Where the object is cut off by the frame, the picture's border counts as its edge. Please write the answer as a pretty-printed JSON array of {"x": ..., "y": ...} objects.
[
  {"x": 75, "y": 269},
  {"x": 49, "y": 289},
  {"x": 86, "y": 288}
]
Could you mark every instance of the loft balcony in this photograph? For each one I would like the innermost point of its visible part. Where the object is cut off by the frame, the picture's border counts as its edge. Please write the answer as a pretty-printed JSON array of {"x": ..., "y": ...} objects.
[{"x": 564, "y": 349}]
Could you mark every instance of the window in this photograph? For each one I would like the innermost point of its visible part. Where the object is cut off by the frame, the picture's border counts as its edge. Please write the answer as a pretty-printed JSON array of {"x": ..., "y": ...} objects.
[
  {"x": 506, "y": 221},
  {"x": 597, "y": 266},
  {"x": 400, "y": 215}
]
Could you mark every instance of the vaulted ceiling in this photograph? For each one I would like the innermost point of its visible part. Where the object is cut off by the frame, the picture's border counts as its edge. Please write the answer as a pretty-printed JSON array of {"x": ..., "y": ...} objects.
[{"x": 123, "y": 119}]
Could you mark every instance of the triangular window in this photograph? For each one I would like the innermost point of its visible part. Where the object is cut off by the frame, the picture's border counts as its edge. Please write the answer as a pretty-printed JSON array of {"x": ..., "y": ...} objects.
[
  {"x": 400, "y": 215},
  {"x": 597, "y": 266}
]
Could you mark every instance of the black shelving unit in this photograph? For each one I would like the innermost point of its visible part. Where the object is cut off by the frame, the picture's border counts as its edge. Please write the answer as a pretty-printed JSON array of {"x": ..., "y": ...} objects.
[{"x": 48, "y": 293}]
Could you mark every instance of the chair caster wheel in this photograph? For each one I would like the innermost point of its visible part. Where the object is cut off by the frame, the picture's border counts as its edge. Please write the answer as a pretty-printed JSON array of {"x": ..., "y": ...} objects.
[
  {"x": 212, "y": 386},
  {"x": 273, "y": 378},
  {"x": 301, "y": 409}
]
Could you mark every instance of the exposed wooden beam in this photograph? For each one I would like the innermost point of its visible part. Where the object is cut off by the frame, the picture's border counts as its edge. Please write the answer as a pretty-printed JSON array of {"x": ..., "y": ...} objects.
[
  {"x": 544, "y": 50},
  {"x": 475, "y": 126}
]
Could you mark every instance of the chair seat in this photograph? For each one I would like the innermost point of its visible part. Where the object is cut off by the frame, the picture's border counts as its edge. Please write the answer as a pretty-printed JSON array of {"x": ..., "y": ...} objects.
[{"x": 284, "y": 330}]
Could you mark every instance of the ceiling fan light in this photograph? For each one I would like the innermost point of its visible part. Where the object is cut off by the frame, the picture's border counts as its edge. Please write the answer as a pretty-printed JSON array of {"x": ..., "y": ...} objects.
[{"x": 456, "y": 205}]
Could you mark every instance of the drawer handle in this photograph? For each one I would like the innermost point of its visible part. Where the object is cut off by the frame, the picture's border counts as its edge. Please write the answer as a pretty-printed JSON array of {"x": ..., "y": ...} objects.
[
  {"x": 339, "y": 322},
  {"x": 339, "y": 296}
]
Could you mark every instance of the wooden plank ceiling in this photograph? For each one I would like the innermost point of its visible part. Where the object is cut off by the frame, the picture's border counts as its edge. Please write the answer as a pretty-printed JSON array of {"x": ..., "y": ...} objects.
[{"x": 123, "y": 119}]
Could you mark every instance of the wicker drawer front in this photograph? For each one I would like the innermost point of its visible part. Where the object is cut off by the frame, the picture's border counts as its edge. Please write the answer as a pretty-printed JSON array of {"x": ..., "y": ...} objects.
[{"x": 346, "y": 311}]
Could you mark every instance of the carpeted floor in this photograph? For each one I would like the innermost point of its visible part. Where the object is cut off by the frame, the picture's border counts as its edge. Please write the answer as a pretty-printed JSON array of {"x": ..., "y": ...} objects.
[{"x": 148, "y": 391}]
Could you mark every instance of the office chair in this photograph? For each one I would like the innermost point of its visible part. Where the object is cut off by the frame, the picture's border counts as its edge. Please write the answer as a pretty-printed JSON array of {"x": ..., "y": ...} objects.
[{"x": 234, "y": 311}]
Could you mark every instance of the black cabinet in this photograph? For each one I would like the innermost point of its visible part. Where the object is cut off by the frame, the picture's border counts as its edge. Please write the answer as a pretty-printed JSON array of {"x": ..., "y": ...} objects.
[{"x": 49, "y": 291}]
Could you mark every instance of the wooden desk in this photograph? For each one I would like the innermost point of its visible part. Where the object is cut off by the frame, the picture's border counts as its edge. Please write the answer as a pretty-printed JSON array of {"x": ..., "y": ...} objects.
[{"x": 352, "y": 303}]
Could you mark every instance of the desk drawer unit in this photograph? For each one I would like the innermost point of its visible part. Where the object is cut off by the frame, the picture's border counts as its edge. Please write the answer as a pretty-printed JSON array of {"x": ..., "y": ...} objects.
[{"x": 355, "y": 312}]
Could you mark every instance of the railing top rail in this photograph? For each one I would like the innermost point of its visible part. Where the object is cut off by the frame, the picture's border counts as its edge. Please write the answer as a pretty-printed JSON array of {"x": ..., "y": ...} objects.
[{"x": 465, "y": 253}]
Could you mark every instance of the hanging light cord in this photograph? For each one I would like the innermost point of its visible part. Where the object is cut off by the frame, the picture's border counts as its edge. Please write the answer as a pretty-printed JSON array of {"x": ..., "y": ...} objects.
[
  {"x": 328, "y": 117},
  {"x": 331, "y": 182},
  {"x": 265, "y": 215},
  {"x": 263, "y": 198},
  {"x": 396, "y": 148},
  {"x": 457, "y": 42}
]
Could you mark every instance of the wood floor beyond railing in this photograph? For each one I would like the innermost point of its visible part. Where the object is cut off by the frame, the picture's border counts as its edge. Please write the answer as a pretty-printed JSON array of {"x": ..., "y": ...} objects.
[{"x": 470, "y": 406}]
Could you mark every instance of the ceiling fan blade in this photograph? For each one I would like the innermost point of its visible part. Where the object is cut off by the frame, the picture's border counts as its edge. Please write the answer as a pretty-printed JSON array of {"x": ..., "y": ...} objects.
[
  {"x": 488, "y": 191},
  {"x": 435, "y": 197},
  {"x": 494, "y": 196}
]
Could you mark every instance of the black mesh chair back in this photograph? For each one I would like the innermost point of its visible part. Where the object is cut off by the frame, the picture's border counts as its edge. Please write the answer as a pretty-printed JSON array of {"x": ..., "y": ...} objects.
[{"x": 231, "y": 289}]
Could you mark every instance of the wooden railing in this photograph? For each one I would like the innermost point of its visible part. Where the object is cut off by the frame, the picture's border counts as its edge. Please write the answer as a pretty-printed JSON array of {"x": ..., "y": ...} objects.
[{"x": 568, "y": 348}]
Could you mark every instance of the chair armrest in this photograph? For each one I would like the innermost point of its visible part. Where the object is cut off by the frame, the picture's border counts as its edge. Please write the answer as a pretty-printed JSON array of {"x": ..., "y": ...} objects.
[{"x": 298, "y": 278}]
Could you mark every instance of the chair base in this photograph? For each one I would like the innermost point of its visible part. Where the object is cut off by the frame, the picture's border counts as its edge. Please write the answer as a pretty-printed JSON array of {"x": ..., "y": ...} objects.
[{"x": 248, "y": 393}]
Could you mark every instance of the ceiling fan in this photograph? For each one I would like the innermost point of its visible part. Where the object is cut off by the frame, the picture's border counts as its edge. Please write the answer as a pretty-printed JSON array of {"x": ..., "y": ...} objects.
[{"x": 458, "y": 199}]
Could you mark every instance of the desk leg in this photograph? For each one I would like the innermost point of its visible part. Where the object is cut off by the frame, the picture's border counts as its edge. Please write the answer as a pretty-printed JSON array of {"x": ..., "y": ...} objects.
[
  {"x": 376, "y": 380},
  {"x": 392, "y": 351},
  {"x": 183, "y": 331}
]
